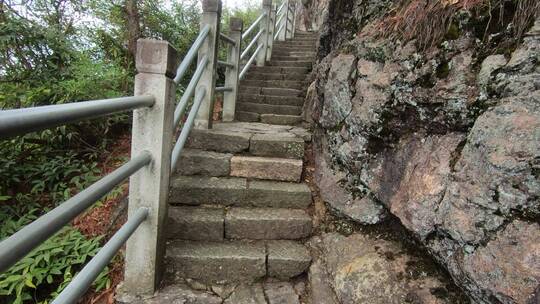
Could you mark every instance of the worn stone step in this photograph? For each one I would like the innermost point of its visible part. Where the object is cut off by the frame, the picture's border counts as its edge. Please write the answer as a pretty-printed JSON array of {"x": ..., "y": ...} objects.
[
  {"x": 212, "y": 262},
  {"x": 235, "y": 261},
  {"x": 300, "y": 45},
  {"x": 292, "y": 58},
  {"x": 307, "y": 64},
  {"x": 286, "y": 259},
  {"x": 272, "y": 100},
  {"x": 286, "y": 84},
  {"x": 275, "y": 76},
  {"x": 247, "y": 116},
  {"x": 196, "y": 223},
  {"x": 201, "y": 162},
  {"x": 302, "y": 49},
  {"x": 219, "y": 140},
  {"x": 236, "y": 191},
  {"x": 271, "y": 91},
  {"x": 262, "y": 108},
  {"x": 277, "y": 145},
  {"x": 275, "y": 119},
  {"x": 267, "y": 224},
  {"x": 268, "y": 168},
  {"x": 297, "y": 42},
  {"x": 282, "y": 70}
]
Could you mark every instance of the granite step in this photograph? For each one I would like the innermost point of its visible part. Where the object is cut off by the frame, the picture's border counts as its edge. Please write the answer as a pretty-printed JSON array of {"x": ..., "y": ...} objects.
[
  {"x": 235, "y": 261},
  {"x": 292, "y": 58},
  {"x": 275, "y": 119},
  {"x": 271, "y": 100},
  {"x": 238, "y": 192},
  {"x": 306, "y": 50},
  {"x": 297, "y": 42},
  {"x": 275, "y": 76},
  {"x": 282, "y": 70},
  {"x": 267, "y": 168},
  {"x": 216, "y": 223},
  {"x": 285, "y": 84},
  {"x": 262, "y": 108},
  {"x": 306, "y": 64},
  {"x": 201, "y": 162},
  {"x": 247, "y": 116},
  {"x": 271, "y": 91}
]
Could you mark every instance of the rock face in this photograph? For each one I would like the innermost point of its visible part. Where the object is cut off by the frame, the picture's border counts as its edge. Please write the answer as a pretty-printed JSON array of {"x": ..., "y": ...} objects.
[
  {"x": 362, "y": 269},
  {"x": 445, "y": 139}
]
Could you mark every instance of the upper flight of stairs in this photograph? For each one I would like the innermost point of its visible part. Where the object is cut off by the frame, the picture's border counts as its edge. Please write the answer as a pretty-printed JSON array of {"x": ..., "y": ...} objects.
[
  {"x": 274, "y": 94},
  {"x": 238, "y": 206}
]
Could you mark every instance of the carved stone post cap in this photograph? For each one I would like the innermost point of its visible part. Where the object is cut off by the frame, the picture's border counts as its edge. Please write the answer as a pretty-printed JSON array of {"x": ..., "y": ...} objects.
[
  {"x": 211, "y": 6},
  {"x": 156, "y": 57},
  {"x": 236, "y": 24}
]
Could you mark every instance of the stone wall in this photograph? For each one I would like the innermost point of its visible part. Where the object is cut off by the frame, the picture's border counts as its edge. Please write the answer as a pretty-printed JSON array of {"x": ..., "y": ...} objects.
[{"x": 445, "y": 139}]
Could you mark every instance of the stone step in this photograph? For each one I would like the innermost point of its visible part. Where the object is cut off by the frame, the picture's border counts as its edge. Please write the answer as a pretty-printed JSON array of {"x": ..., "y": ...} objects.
[
  {"x": 293, "y": 53},
  {"x": 286, "y": 84},
  {"x": 275, "y": 76},
  {"x": 282, "y": 70},
  {"x": 239, "y": 192},
  {"x": 219, "y": 223},
  {"x": 247, "y": 116},
  {"x": 262, "y": 108},
  {"x": 277, "y": 145},
  {"x": 275, "y": 119},
  {"x": 271, "y": 91},
  {"x": 306, "y": 64},
  {"x": 292, "y": 58},
  {"x": 235, "y": 261},
  {"x": 200, "y": 162},
  {"x": 294, "y": 48},
  {"x": 267, "y": 168},
  {"x": 297, "y": 42},
  {"x": 271, "y": 100}
]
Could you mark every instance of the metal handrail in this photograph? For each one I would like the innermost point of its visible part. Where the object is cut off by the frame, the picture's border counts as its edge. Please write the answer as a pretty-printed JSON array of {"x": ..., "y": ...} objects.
[
  {"x": 83, "y": 280},
  {"x": 32, "y": 235},
  {"x": 225, "y": 64},
  {"x": 279, "y": 31},
  {"x": 280, "y": 19},
  {"x": 281, "y": 7},
  {"x": 179, "y": 111},
  {"x": 22, "y": 121},
  {"x": 250, "y": 61},
  {"x": 227, "y": 39},
  {"x": 252, "y": 43},
  {"x": 252, "y": 27},
  {"x": 179, "y": 146},
  {"x": 183, "y": 67}
]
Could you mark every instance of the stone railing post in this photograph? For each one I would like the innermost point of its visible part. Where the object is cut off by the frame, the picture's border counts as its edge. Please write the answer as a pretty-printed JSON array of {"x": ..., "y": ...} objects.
[
  {"x": 211, "y": 16},
  {"x": 283, "y": 34},
  {"x": 263, "y": 40},
  {"x": 272, "y": 29},
  {"x": 152, "y": 131},
  {"x": 236, "y": 26},
  {"x": 293, "y": 31},
  {"x": 290, "y": 15}
]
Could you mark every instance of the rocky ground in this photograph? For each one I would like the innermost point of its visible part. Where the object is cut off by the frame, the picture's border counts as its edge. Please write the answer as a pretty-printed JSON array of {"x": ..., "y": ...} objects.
[{"x": 444, "y": 139}]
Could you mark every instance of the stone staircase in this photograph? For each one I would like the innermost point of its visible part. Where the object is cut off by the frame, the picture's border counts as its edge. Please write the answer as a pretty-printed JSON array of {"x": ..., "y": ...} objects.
[
  {"x": 274, "y": 94},
  {"x": 239, "y": 210}
]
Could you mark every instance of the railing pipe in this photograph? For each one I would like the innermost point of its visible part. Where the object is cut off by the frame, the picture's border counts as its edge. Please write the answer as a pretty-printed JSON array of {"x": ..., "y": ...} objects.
[
  {"x": 279, "y": 31},
  {"x": 84, "y": 279},
  {"x": 179, "y": 146},
  {"x": 283, "y": 34},
  {"x": 227, "y": 38},
  {"x": 280, "y": 8},
  {"x": 183, "y": 67},
  {"x": 32, "y": 235},
  {"x": 251, "y": 44},
  {"x": 253, "y": 26},
  {"x": 22, "y": 121},
  {"x": 225, "y": 64},
  {"x": 188, "y": 93},
  {"x": 250, "y": 61}
]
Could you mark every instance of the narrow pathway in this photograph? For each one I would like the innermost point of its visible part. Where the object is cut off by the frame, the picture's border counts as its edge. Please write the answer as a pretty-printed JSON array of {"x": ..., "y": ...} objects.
[{"x": 238, "y": 212}]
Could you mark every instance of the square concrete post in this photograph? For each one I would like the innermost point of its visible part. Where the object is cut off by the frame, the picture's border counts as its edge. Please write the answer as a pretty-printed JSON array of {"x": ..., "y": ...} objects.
[
  {"x": 211, "y": 16},
  {"x": 290, "y": 16},
  {"x": 283, "y": 34},
  {"x": 271, "y": 32},
  {"x": 236, "y": 26},
  {"x": 265, "y": 26},
  {"x": 152, "y": 132}
]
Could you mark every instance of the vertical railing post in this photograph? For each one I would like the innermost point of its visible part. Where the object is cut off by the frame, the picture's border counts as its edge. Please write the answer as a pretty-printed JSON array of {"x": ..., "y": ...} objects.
[
  {"x": 152, "y": 132},
  {"x": 293, "y": 31},
  {"x": 283, "y": 34},
  {"x": 272, "y": 30},
  {"x": 236, "y": 27},
  {"x": 263, "y": 39},
  {"x": 211, "y": 16},
  {"x": 290, "y": 15}
]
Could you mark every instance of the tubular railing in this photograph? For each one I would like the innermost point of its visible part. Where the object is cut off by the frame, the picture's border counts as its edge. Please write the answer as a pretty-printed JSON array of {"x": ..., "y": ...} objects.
[{"x": 155, "y": 153}]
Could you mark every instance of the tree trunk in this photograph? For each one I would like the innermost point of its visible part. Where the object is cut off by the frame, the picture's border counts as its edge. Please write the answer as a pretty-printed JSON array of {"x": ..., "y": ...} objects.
[{"x": 133, "y": 26}]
